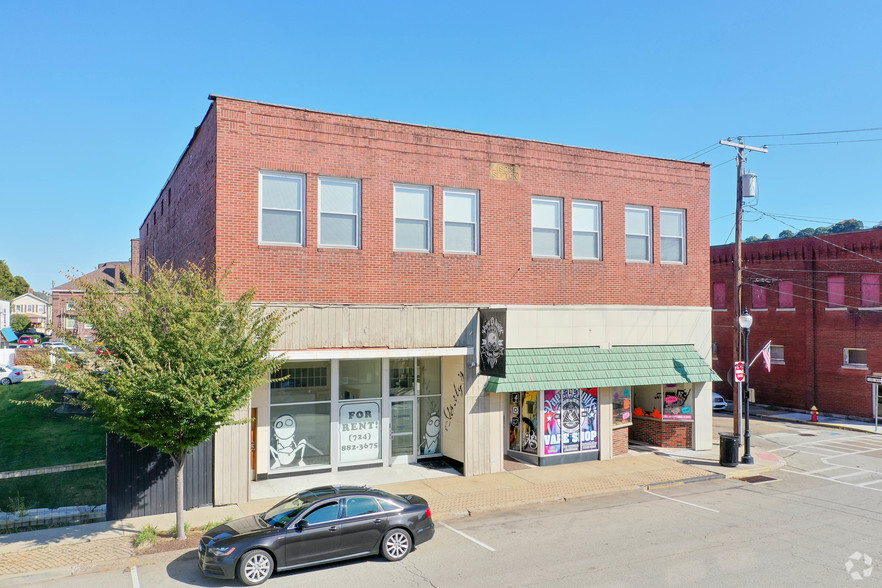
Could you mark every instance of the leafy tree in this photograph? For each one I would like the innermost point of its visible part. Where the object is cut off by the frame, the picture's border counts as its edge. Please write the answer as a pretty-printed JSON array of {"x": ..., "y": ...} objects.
[
  {"x": 806, "y": 232},
  {"x": 766, "y": 237},
  {"x": 822, "y": 230},
  {"x": 181, "y": 359},
  {"x": 11, "y": 286},
  {"x": 19, "y": 323},
  {"x": 751, "y": 239},
  {"x": 785, "y": 234},
  {"x": 846, "y": 226}
]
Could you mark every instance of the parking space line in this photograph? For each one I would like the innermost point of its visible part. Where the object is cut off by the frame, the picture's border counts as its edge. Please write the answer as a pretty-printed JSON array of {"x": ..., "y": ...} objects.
[
  {"x": 825, "y": 469},
  {"x": 680, "y": 501},
  {"x": 868, "y": 483},
  {"x": 472, "y": 539},
  {"x": 857, "y": 473}
]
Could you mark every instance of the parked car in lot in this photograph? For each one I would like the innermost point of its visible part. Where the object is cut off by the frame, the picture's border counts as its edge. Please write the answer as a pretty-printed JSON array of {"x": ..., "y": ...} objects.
[
  {"x": 317, "y": 526},
  {"x": 58, "y": 345},
  {"x": 10, "y": 375},
  {"x": 721, "y": 403},
  {"x": 26, "y": 341}
]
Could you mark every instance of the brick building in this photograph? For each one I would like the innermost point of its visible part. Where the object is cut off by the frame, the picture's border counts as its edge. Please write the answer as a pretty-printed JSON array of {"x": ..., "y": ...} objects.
[
  {"x": 818, "y": 302},
  {"x": 64, "y": 296},
  {"x": 415, "y": 254}
]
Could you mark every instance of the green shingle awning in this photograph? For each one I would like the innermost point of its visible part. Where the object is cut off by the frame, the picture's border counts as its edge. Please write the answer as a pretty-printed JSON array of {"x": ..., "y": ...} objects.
[{"x": 592, "y": 367}]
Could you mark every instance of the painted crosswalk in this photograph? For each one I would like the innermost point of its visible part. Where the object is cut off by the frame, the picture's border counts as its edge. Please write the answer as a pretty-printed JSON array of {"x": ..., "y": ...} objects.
[{"x": 835, "y": 454}]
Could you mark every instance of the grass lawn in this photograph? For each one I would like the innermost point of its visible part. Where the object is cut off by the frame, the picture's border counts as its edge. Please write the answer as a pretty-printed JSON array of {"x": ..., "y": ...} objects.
[
  {"x": 34, "y": 437},
  {"x": 75, "y": 488}
]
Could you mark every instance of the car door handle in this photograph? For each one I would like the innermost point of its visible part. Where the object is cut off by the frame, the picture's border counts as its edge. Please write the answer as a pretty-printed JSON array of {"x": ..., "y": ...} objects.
[
  {"x": 378, "y": 521},
  {"x": 332, "y": 528}
]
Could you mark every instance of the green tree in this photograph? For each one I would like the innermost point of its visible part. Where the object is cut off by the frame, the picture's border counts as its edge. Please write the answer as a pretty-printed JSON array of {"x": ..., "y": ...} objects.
[
  {"x": 11, "y": 286},
  {"x": 786, "y": 234},
  {"x": 19, "y": 323},
  {"x": 182, "y": 359},
  {"x": 751, "y": 239},
  {"x": 822, "y": 230},
  {"x": 766, "y": 237},
  {"x": 846, "y": 226},
  {"x": 806, "y": 232}
]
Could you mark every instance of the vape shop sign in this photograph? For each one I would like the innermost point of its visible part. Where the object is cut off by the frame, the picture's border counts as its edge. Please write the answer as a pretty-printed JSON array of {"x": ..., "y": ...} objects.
[{"x": 359, "y": 431}]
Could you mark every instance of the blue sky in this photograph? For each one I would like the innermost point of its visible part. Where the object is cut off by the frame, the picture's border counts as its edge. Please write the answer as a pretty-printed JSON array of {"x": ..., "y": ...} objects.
[{"x": 99, "y": 99}]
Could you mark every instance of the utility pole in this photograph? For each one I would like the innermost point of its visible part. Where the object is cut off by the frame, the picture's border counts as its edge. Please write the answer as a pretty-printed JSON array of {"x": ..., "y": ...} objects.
[{"x": 737, "y": 428}]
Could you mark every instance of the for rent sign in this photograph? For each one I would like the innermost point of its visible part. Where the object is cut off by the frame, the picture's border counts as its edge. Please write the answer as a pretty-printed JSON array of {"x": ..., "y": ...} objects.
[{"x": 359, "y": 431}]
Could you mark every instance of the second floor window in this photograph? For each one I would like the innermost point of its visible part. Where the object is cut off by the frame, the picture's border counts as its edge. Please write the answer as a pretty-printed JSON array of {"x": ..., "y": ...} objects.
[
  {"x": 638, "y": 233},
  {"x": 546, "y": 227},
  {"x": 758, "y": 297},
  {"x": 413, "y": 218},
  {"x": 870, "y": 290},
  {"x": 339, "y": 213},
  {"x": 785, "y": 294},
  {"x": 835, "y": 292},
  {"x": 586, "y": 230},
  {"x": 720, "y": 295},
  {"x": 281, "y": 208},
  {"x": 461, "y": 221},
  {"x": 673, "y": 235}
]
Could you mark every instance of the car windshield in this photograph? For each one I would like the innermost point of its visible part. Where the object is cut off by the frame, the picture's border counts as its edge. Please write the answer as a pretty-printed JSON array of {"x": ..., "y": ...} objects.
[{"x": 282, "y": 513}]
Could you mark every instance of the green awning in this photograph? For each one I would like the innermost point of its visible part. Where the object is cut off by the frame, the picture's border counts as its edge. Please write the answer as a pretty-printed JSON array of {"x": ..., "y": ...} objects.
[{"x": 592, "y": 367}]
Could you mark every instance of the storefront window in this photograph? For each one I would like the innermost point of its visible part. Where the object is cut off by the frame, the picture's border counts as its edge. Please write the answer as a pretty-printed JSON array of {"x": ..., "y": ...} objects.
[
  {"x": 300, "y": 416},
  {"x": 677, "y": 401},
  {"x": 360, "y": 378},
  {"x": 570, "y": 420},
  {"x": 621, "y": 406},
  {"x": 300, "y": 436},
  {"x": 360, "y": 431},
  {"x": 668, "y": 402},
  {"x": 429, "y": 386}
]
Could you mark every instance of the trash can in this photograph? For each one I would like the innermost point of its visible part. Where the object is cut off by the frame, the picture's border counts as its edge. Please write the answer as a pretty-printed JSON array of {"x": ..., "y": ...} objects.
[{"x": 729, "y": 449}]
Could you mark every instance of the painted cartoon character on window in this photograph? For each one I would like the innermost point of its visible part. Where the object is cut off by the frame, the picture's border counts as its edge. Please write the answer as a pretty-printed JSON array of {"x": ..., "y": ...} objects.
[
  {"x": 284, "y": 449},
  {"x": 429, "y": 444}
]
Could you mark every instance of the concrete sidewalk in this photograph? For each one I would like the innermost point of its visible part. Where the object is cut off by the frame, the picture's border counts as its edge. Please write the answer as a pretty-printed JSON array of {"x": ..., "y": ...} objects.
[
  {"x": 824, "y": 420},
  {"x": 32, "y": 557}
]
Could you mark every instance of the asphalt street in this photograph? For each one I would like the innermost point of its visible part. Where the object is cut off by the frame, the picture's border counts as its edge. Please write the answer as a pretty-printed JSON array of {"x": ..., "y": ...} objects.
[{"x": 817, "y": 521}]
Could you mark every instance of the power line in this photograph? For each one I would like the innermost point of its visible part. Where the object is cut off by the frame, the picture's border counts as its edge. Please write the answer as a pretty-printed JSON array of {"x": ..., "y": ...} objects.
[
  {"x": 825, "y": 142},
  {"x": 813, "y": 133},
  {"x": 701, "y": 152}
]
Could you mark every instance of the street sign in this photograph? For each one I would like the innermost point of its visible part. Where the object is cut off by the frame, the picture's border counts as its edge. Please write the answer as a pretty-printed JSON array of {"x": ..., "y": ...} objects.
[
  {"x": 739, "y": 371},
  {"x": 874, "y": 379}
]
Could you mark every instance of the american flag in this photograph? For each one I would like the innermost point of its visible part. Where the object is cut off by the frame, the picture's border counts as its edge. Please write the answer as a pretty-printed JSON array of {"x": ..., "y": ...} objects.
[{"x": 767, "y": 356}]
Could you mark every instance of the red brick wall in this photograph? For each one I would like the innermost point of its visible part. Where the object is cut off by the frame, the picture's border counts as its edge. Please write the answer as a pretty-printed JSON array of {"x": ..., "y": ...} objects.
[
  {"x": 813, "y": 336},
  {"x": 662, "y": 433},
  {"x": 251, "y": 136},
  {"x": 620, "y": 441},
  {"x": 181, "y": 225}
]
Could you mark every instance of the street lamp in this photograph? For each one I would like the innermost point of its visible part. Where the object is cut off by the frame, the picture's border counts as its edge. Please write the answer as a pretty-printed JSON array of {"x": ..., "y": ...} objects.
[{"x": 745, "y": 321}]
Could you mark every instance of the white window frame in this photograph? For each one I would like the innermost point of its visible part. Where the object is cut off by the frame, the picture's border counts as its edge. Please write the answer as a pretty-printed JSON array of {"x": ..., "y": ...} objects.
[
  {"x": 846, "y": 358},
  {"x": 397, "y": 216},
  {"x": 558, "y": 230},
  {"x": 779, "y": 360},
  {"x": 70, "y": 323},
  {"x": 647, "y": 236},
  {"x": 301, "y": 210},
  {"x": 598, "y": 212},
  {"x": 681, "y": 213},
  {"x": 357, "y": 214},
  {"x": 476, "y": 211}
]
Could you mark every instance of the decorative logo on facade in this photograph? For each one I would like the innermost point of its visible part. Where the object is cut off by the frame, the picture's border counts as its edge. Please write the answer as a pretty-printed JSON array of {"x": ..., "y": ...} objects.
[{"x": 492, "y": 342}]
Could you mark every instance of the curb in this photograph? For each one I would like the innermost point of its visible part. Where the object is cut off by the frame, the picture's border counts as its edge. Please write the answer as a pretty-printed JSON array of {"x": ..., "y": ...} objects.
[
  {"x": 685, "y": 481},
  {"x": 819, "y": 424}
]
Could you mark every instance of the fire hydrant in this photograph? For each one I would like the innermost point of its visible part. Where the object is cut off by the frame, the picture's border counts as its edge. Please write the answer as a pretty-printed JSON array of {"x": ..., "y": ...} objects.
[{"x": 814, "y": 414}]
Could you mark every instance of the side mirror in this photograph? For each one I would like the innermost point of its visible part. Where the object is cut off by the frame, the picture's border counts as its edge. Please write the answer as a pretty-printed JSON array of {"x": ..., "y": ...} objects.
[{"x": 302, "y": 525}]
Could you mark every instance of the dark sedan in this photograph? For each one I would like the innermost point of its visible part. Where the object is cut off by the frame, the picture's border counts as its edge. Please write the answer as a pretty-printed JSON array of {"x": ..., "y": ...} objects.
[{"x": 317, "y": 526}]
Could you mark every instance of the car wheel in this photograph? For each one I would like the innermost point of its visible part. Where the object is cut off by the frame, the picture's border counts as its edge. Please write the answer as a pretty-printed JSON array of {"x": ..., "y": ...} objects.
[
  {"x": 396, "y": 544},
  {"x": 255, "y": 567},
  {"x": 5, "y": 381}
]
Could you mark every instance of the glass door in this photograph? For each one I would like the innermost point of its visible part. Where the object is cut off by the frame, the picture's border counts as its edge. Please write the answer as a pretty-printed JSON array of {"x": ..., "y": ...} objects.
[{"x": 401, "y": 430}]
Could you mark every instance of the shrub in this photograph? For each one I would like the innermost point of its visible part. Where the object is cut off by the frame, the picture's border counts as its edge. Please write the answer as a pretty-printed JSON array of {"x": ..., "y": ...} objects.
[{"x": 146, "y": 536}]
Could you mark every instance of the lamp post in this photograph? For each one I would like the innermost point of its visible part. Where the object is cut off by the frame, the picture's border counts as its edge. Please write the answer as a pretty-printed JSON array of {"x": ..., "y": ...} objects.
[{"x": 745, "y": 321}]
